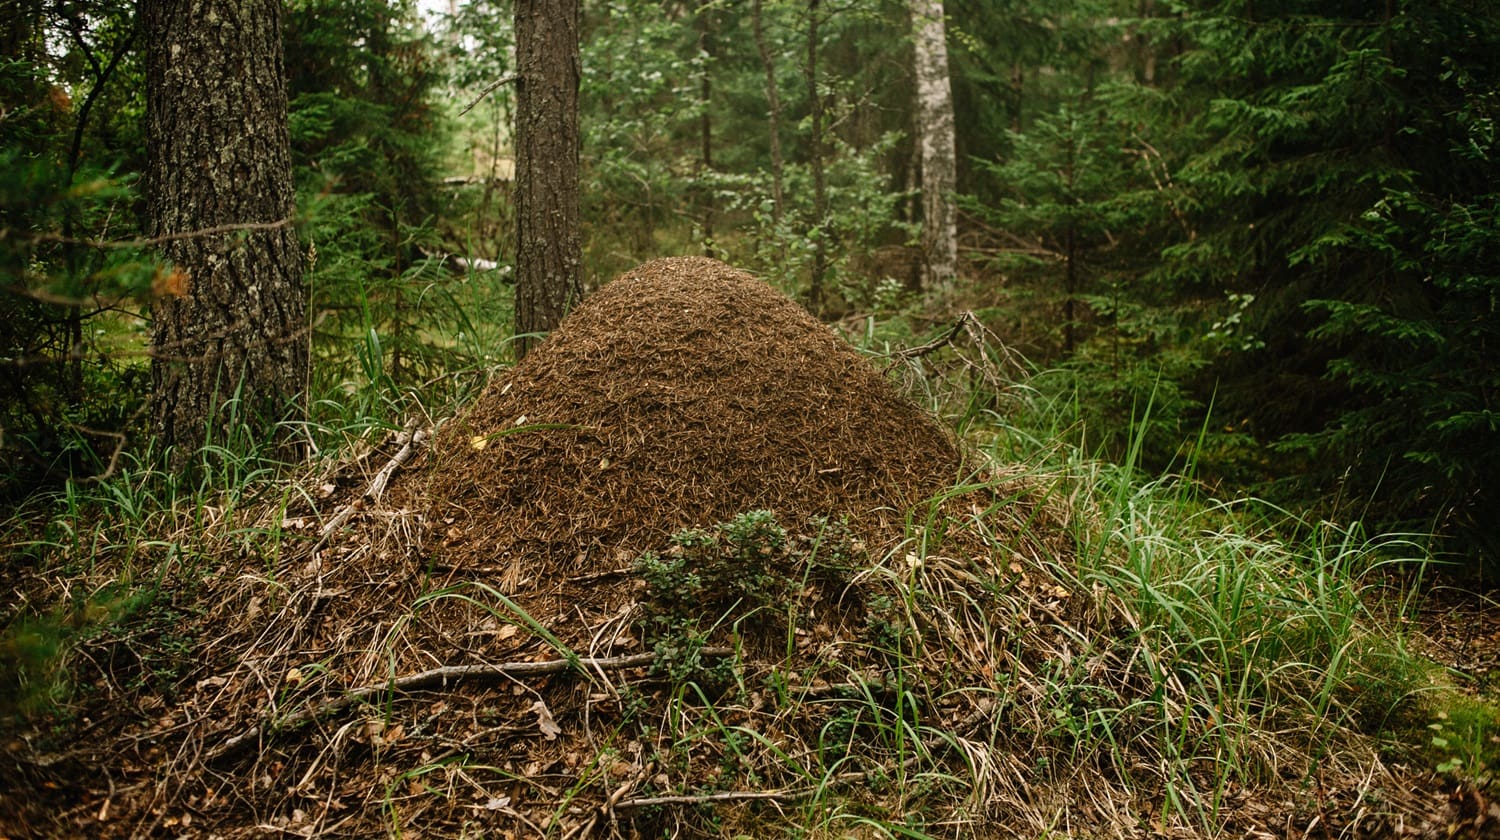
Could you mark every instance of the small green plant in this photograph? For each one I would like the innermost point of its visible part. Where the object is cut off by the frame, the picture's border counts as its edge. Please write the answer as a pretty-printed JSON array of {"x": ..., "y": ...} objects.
[
  {"x": 740, "y": 567},
  {"x": 1464, "y": 738},
  {"x": 679, "y": 653},
  {"x": 885, "y": 625}
]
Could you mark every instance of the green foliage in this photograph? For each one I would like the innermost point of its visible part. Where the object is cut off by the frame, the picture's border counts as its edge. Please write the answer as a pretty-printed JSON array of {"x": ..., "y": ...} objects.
[
  {"x": 70, "y": 298},
  {"x": 745, "y": 575},
  {"x": 1016, "y": 62},
  {"x": 649, "y": 190},
  {"x": 1426, "y": 428},
  {"x": 1284, "y": 211},
  {"x": 367, "y": 143},
  {"x": 1464, "y": 739},
  {"x": 740, "y": 566},
  {"x": 1342, "y": 177}
]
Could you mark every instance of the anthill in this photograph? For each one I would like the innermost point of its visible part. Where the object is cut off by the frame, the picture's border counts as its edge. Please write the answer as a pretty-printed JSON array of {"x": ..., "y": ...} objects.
[{"x": 680, "y": 394}]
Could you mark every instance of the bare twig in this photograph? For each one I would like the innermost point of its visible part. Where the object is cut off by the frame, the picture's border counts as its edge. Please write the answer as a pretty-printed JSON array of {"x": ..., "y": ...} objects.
[
  {"x": 144, "y": 242},
  {"x": 720, "y": 796},
  {"x": 1152, "y": 159},
  {"x": 120, "y": 441},
  {"x": 414, "y": 440},
  {"x": 410, "y": 440},
  {"x": 166, "y": 351},
  {"x": 774, "y": 795},
  {"x": 932, "y": 346},
  {"x": 442, "y": 676},
  {"x": 503, "y": 80}
]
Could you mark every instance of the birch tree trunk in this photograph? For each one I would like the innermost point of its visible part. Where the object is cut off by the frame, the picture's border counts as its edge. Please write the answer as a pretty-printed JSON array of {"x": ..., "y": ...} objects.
[
  {"x": 229, "y": 331},
  {"x": 935, "y": 130},
  {"x": 549, "y": 252}
]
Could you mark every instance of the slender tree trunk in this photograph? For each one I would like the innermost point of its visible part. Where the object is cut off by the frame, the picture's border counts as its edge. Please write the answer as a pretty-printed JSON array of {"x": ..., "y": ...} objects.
[
  {"x": 1070, "y": 244},
  {"x": 1018, "y": 95},
  {"x": 1070, "y": 288},
  {"x": 773, "y": 102},
  {"x": 706, "y": 163},
  {"x": 229, "y": 321},
  {"x": 935, "y": 128},
  {"x": 102, "y": 73},
  {"x": 549, "y": 253},
  {"x": 816, "y": 162}
]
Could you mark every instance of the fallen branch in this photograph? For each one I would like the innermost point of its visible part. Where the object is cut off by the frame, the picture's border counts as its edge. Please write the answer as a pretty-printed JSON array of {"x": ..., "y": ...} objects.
[
  {"x": 441, "y": 677},
  {"x": 750, "y": 795},
  {"x": 932, "y": 346},
  {"x": 414, "y": 440},
  {"x": 410, "y": 440},
  {"x": 720, "y": 796}
]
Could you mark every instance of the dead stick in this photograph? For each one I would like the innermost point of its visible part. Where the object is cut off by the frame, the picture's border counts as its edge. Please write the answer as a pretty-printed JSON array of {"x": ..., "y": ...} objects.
[
  {"x": 441, "y": 676},
  {"x": 503, "y": 80},
  {"x": 721, "y": 796},
  {"x": 746, "y": 795},
  {"x": 409, "y": 440},
  {"x": 241, "y": 227},
  {"x": 382, "y": 478},
  {"x": 924, "y": 349}
]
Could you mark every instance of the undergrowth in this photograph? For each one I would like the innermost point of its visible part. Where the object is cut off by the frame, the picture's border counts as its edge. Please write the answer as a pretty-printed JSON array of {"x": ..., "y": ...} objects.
[{"x": 120, "y": 558}]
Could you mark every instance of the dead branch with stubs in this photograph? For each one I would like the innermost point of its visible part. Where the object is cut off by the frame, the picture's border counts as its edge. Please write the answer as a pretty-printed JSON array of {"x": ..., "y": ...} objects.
[
  {"x": 410, "y": 441},
  {"x": 439, "y": 677},
  {"x": 979, "y": 353}
]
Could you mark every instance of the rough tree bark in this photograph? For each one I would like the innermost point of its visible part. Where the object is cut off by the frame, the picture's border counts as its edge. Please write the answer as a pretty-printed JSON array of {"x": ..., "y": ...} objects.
[
  {"x": 549, "y": 253},
  {"x": 229, "y": 319},
  {"x": 935, "y": 128}
]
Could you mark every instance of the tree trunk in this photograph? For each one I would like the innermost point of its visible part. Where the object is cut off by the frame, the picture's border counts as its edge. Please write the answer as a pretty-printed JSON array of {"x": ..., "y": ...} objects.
[
  {"x": 549, "y": 253},
  {"x": 706, "y": 47},
  {"x": 773, "y": 119},
  {"x": 816, "y": 162},
  {"x": 935, "y": 128},
  {"x": 229, "y": 331}
]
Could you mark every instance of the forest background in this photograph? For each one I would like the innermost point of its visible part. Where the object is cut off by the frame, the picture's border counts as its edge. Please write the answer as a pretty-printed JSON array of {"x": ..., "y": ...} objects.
[
  {"x": 1232, "y": 269},
  {"x": 1260, "y": 238}
]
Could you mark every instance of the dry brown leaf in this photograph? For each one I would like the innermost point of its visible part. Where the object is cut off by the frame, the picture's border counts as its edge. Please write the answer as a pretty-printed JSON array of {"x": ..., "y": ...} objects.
[{"x": 549, "y": 728}]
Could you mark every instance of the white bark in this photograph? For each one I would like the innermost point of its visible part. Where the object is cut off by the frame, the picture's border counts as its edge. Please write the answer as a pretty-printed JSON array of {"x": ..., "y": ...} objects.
[{"x": 935, "y": 130}]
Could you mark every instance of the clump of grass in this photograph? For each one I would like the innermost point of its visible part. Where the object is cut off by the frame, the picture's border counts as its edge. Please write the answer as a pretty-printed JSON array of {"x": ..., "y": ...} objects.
[{"x": 121, "y": 556}]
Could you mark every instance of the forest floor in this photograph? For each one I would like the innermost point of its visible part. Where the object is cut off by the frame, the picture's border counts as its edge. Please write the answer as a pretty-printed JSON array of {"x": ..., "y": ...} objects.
[
  {"x": 526, "y": 623},
  {"x": 526, "y": 745}
]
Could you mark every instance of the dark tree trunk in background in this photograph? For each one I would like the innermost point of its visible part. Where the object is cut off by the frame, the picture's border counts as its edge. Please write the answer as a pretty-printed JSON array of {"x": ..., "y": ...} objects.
[
  {"x": 706, "y": 47},
  {"x": 229, "y": 321},
  {"x": 816, "y": 161},
  {"x": 549, "y": 255},
  {"x": 773, "y": 117}
]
